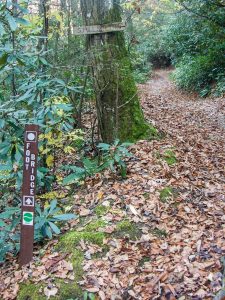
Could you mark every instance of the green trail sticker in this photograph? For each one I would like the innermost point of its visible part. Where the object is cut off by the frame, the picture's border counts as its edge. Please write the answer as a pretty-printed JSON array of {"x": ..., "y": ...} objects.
[{"x": 28, "y": 218}]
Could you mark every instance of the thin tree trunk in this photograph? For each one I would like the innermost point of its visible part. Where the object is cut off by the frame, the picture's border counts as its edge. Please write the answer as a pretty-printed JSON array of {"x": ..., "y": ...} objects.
[
  {"x": 118, "y": 109},
  {"x": 69, "y": 22},
  {"x": 14, "y": 10},
  {"x": 43, "y": 12}
]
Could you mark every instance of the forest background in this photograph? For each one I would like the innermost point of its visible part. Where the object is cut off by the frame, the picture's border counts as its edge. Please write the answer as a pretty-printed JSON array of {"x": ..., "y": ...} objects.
[{"x": 46, "y": 79}]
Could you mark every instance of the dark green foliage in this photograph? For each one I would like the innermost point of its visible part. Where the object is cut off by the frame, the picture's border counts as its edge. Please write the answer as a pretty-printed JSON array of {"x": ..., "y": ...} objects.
[
  {"x": 29, "y": 94},
  {"x": 46, "y": 224},
  {"x": 187, "y": 34},
  {"x": 147, "y": 43},
  {"x": 45, "y": 221},
  {"x": 142, "y": 68},
  {"x": 197, "y": 44},
  {"x": 113, "y": 156},
  {"x": 110, "y": 157},
  {"x": 9, "y": 236}
]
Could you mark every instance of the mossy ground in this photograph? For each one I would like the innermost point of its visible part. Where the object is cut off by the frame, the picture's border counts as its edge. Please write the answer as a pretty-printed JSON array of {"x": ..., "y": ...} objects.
[
  {"x": 86, "y": 231},
  {"x": 30, "y": 291},
  {"x": 69, "y": 290},
  {"x": 95, "y": 225},
  {"x": 161, "y": 233},
  {"x": 101, "y": 210},
  {"x": 143, "y": 261},
  {"x": 68, "y": 243},
  {"x": 166, "y": 194},
  {"x": 170, "y": 157},
  {"x": 126, "y": 228},
  {"x": 73, "y": 238}
]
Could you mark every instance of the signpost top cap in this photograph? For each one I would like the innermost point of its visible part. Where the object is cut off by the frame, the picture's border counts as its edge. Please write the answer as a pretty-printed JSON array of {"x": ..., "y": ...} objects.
[{"x": 31, "y": 136}]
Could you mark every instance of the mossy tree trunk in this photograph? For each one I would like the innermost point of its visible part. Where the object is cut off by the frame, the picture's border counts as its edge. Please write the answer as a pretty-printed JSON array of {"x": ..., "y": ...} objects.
[{"x": 118, "y": 108}]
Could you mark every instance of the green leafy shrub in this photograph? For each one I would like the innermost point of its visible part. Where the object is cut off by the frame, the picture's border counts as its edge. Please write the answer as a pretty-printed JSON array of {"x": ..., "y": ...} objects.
[
  {"x": 142, "y": 68},
  {"x": 9, "y": 236},
  {"x": 198, "y": 73},
  {"x": 220, "y": 84},
  {"x": 45, "y": 220},
  {"x": 111, "y": 157},
  {"x": 196, "y": 45},
  {"x": 46, "y": 224},
  {"x": 187, "y": 34},
  {"x": 38, "y": 96}
]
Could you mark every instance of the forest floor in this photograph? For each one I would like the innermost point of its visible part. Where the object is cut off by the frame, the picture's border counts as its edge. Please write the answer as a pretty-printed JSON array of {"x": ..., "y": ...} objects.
[{"x": 160, "y": 233}]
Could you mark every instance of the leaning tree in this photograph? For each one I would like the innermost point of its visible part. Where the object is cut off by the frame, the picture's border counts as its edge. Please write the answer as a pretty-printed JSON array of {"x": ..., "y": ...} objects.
[{"x": 118, "y": 109}]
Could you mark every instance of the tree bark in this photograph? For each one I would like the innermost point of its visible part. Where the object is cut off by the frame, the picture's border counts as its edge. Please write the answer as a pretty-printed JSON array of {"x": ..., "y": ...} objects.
[
  {"x": 118, "y": 109},
  {"x": 14, "y": 11}
]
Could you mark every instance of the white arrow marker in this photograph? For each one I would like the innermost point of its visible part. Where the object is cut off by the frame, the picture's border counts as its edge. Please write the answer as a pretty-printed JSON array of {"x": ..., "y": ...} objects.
[{"x": 28, "y": 201}]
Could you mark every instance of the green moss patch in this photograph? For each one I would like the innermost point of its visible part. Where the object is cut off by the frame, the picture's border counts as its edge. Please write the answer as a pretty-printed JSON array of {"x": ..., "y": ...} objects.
[
  {"x": 73, "y": 238},
  {"x": 161, "y": 233},
  {"x": 146, "y": 196},
  {"x": 126, "y": 228},
  {"x": 77, "y": 260},
  {"x": 166, "y": 194},
  {"x": 153, "y": 133},
  {"x": 143, "y": 261},
  {"x": 101, "y": 210},
  {"x": 66, "y": 289},
  {"x": 170, "y": 157},
  {"x": 68, "y": 243},
  {"x": 95, "y": 225},
  {"x": 69, "y": 290},
  {"x": 30, "y": 291}
]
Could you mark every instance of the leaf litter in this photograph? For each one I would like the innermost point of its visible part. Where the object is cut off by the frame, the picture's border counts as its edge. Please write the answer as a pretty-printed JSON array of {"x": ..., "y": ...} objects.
[{"x": 177, "y": 250}]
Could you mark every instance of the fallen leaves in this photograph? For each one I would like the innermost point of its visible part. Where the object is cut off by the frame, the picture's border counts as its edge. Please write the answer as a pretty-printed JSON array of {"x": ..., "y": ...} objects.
[
  {"x": 83, "y": 212},
  {"x": 52, "y": 265},
  {"x": 177, "y": 251},
  {"x": 50, "y": 291}
]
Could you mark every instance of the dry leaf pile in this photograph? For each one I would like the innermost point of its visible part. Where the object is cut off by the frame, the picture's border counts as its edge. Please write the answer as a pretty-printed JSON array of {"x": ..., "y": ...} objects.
[
  {"x": 51, "y": 265},
  {"x": 179, "y": 241}
]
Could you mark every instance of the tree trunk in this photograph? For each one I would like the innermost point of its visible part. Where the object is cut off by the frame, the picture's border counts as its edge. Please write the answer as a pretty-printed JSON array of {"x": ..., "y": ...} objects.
[
  {"x": 14, "y": 11},
  {"x": 118, "y": 109}
]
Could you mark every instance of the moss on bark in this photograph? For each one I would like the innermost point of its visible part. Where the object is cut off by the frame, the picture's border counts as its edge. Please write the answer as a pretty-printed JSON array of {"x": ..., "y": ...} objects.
[{"x": 119, "y": 112}]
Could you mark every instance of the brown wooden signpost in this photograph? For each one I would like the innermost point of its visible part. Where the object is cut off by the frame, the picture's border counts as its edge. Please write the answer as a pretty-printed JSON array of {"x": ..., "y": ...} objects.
[{"x": 28, "y": 193}]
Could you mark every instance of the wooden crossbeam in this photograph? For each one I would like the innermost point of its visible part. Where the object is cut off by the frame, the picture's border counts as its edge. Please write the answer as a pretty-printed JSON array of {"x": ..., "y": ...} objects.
[{"x": 98, "y": 29}]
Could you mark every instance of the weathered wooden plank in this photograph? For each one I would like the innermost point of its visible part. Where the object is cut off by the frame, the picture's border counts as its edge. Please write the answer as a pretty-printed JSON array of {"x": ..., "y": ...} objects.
[{"x": 98, "y": 29}]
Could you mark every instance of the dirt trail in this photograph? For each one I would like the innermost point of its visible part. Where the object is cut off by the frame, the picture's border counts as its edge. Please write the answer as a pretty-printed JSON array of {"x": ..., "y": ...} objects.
[
  {"x": 153, "y": 247},
  {"x": 193, "y": 125},
  {"x": 188, "y": 107}
]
